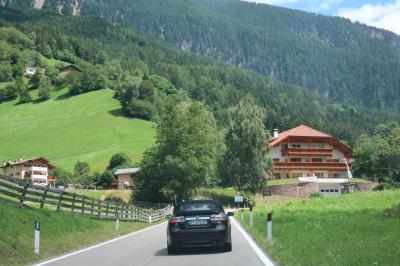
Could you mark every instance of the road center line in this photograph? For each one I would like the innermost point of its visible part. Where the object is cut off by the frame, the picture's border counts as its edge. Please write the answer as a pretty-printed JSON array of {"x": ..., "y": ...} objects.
[
  {"x": 263, "y": 257},
  {"x": 99, "y": 245}
]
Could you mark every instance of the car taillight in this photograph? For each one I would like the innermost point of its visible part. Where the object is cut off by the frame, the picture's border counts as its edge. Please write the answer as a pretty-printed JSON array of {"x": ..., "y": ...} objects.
[
  {"x": 218, "y": 218},
  {"x": 175, "y": 220}
]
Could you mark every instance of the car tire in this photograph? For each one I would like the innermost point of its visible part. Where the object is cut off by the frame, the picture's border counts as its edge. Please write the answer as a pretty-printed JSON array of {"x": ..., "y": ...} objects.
[
  {"x": 228, "y": 247},
  {"x": 171, "y": 250}
]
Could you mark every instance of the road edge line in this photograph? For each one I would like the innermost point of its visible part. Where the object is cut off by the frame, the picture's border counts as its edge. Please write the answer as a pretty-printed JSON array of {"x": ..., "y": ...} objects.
[
  {"x": 98, "y": 245},
  {"x": 260, "y": 253}
]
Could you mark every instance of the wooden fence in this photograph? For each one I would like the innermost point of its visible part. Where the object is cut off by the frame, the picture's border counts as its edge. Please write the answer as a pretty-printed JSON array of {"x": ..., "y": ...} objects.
[{"x": 22, "y": 193}]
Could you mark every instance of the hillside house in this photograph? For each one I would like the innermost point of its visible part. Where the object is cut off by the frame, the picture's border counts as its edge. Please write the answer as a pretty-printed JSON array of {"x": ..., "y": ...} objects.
[
  {"x": 69, "y": 68},
  {"x": 306, "y": 152},
  {"x": 30, "y": 70},
  {"x": 35, "y": 169},
  {"x": 126, "y": 177}
]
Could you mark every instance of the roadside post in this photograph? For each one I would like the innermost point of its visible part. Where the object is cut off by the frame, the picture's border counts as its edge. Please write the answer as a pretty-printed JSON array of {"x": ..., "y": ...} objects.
[
  {"x": 117, "y": 223},
  {"x": 242, "y": 214},
  {"x": 251, "y": 215},
  {"x": 269, "y": 227},
  {"x": 37, "y": 236}
]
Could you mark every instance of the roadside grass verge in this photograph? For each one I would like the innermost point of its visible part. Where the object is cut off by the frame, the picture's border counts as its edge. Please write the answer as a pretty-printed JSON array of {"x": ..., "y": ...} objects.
[
  {"x": 60, "y": 233},
  {"x": 350, "y": 229}
]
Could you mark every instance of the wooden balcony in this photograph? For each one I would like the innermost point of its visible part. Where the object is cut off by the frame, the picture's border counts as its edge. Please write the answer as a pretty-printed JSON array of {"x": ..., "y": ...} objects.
[
  {"x": 306, "y": 151},
  {"x": 310, "y": 166}
]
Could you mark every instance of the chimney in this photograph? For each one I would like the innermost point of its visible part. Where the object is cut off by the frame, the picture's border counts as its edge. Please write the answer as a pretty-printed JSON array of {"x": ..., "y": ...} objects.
[{"x": 275, "y": 133}]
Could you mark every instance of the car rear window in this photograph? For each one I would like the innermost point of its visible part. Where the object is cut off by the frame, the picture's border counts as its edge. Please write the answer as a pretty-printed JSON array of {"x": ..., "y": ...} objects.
[{"x": 199, "y": 207}]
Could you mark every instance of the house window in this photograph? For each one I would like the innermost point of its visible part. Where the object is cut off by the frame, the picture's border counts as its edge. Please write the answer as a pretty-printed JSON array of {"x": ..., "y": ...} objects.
[
  {"x": 319, "y": 174},
  {"x": 317, "y": 160},
  {"x": 297, "y": 175},
  {"x": 298, "y": 160},
  {"x": 277, "y": 160},
  {"x": 296, "y": 146},
  {"x": 335, "y": 160},
  {"x": 322, "y": 190}
]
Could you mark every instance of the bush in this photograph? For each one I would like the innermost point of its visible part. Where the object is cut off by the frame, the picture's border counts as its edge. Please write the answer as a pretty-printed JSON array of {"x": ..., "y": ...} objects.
[
  {"x": 10, "y": 92},
  {"x": 315, "y": 195},
  {"x": 382, "y": 186},
  {"x": 393, "y": 211},
  {"x": 114, "y": 197},
  {"x": 141, "y": 109}
]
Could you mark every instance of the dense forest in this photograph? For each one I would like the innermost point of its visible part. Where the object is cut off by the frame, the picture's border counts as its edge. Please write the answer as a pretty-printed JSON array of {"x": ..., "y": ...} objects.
[
  {"x": 349, "y": 63},
  {"x": 148, "y": 75}
]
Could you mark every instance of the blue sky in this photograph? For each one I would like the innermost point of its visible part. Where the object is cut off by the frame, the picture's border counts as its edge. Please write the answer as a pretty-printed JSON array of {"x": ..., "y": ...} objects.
[{"x": 379, "y": 13}]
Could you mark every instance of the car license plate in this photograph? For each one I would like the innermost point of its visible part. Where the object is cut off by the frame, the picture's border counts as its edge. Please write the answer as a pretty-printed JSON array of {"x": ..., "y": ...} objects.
[{"x": 197, "y": 222}]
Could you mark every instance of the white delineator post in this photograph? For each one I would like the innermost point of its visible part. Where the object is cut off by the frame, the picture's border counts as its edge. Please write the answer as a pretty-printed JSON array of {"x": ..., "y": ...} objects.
[
  {"x": 37, "y": 236},
  {"x": 242, "y": 214},
  {"x": 117, "y": 223},
  {"x": 269, "y": 227}
]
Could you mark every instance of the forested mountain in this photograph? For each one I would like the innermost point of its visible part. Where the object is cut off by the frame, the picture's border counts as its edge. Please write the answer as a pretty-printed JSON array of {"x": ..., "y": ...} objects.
[
  {"x": 147, "y": 74},
  {"x": 350, "y": 63}
]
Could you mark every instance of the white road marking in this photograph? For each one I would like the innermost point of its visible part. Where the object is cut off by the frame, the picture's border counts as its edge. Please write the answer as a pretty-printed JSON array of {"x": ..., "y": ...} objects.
[
  {"x": 98, "y": 245},
  {"x": 253, "y": 245}
]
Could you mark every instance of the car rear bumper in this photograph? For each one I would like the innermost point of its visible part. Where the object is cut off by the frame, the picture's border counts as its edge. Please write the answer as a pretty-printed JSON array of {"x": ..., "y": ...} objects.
[{"x": 192, "y": 238}]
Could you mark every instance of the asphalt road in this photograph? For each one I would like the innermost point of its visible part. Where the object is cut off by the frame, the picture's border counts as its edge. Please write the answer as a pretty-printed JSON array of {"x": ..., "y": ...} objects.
[{"x": 149, "y": 248}]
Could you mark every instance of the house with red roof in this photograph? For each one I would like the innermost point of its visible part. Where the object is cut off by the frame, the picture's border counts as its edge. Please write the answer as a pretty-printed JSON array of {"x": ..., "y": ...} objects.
[{"x": 304, "y": 152}]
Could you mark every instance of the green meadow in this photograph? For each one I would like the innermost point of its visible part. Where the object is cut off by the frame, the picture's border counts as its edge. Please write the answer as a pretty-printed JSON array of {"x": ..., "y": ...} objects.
[
  {"x": 351, "y": 229},
  {"x": 88, "y": 127}
]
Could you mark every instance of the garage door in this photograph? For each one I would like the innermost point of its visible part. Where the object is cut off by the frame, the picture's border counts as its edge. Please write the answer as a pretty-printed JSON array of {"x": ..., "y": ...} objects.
[{"x": 329, "y": 189}]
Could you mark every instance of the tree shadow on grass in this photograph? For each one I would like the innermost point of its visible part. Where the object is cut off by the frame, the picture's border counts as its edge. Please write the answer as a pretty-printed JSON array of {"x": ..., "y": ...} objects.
[
  {"x": 119, "y": 112},
  {"x": 64, "y": 96}
]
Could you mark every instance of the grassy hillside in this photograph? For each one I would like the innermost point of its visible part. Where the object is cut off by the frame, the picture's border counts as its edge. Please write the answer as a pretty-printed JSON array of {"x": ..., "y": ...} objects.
[
  {"x": 88, "y": 127},
  {"x": 60, "y": 233},
  {"x": 347, "y": 230}
]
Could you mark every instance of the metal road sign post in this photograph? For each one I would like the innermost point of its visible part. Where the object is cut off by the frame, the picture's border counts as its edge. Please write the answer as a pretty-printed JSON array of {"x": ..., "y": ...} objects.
[
  {"x": 269, "y": 227},
  {"x": 37, "y": 236}
]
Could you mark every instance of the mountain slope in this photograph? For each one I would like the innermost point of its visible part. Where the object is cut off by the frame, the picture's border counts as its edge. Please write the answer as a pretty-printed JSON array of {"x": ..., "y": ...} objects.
[{"x": 350, "y": 63}]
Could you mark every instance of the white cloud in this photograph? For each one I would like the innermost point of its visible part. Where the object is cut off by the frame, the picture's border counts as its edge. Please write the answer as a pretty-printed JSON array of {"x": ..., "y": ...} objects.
[
  {"x": 386, "y": 16},
  {"x": 272, "y": 2}
]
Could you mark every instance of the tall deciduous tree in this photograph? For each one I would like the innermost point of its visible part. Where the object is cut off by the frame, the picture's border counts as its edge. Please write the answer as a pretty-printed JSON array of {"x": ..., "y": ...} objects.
[
  {"x": 45, "y": 89},
  {"x": 246, "y": 159},
  {"x": 184, "y": 157}
]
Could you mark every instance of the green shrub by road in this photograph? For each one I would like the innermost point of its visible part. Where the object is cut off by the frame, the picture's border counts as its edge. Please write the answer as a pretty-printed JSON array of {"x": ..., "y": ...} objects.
[
  {"x": 60, "y": 233},
  {"x": 88, "y": 127},
  {"x": 350, "y": 229}
]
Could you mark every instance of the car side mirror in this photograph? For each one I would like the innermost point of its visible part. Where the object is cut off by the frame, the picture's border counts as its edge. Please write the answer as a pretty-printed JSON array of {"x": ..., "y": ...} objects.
[{"x": 230, "y": 214}]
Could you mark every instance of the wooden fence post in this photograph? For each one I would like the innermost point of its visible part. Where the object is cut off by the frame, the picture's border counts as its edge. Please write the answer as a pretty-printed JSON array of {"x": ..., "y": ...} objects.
[
  {"x": 91, "y": 208},
  {"x": 43, "y": 197},
  {"x": 126, "y": 212},
  {"x": 116, "y": 210},
  {"x": 59, "y": 201},
  {"x": 21, "y": 200},
  {"x": 99, "y": 208},
  {"x": 107, "y": 209},
  {"x": 73, "y": 203},
  {"x": 83, "y": 205}
]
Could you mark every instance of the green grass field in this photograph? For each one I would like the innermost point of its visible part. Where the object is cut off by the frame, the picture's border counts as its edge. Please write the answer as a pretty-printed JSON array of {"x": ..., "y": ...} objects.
[
  {"x": 88, "y": 127},
  {"x": 60, "y": 233},
  {"x": 346, "y": 230},
  {"x": 101, "y": 194}
]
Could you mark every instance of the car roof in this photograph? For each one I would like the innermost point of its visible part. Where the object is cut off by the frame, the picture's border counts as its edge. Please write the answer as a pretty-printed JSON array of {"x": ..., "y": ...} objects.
[{"x": 199, "y": 201}]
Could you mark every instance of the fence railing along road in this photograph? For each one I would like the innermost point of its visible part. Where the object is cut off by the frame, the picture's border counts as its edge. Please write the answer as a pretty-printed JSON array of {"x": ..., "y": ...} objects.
[{"x": 22, "y": 193}]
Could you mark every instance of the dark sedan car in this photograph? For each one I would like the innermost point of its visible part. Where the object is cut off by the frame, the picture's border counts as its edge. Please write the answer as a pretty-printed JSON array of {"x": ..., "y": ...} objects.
[{"x": 199, "y": 223}]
